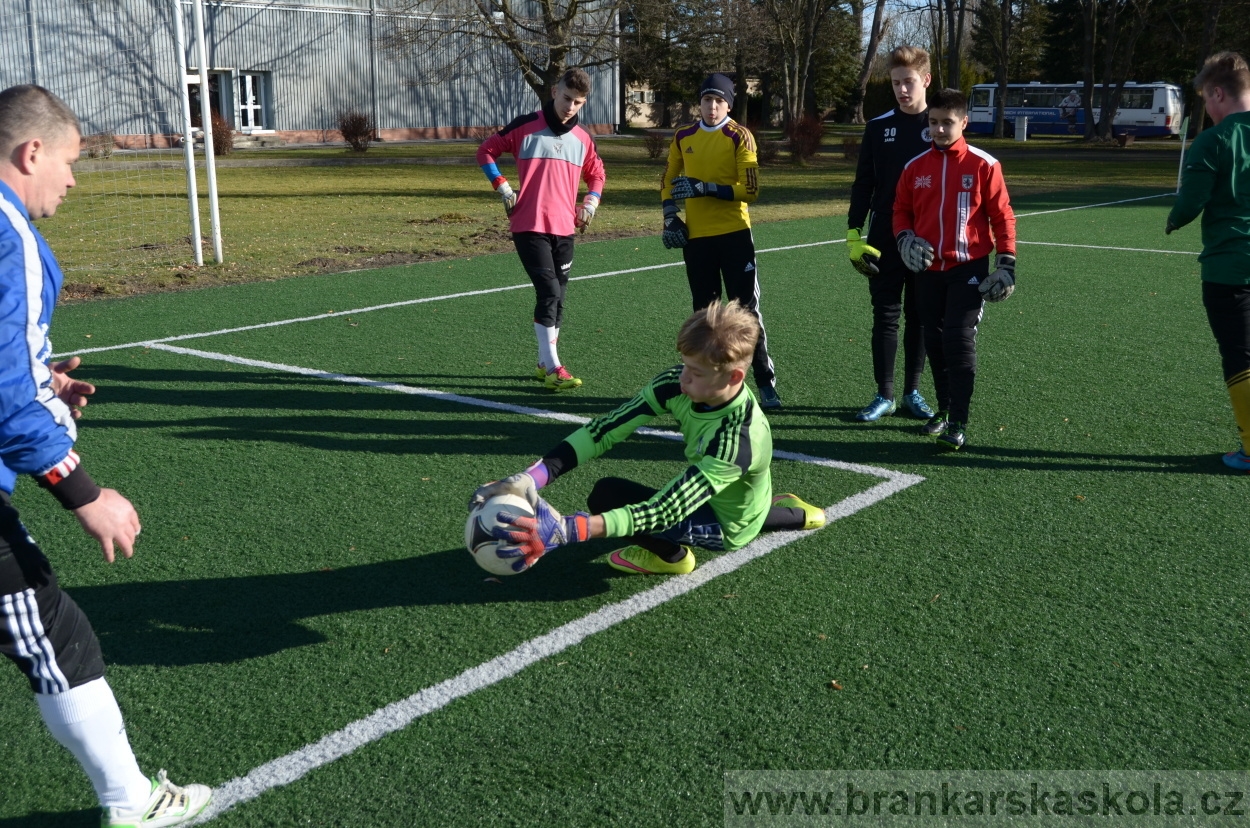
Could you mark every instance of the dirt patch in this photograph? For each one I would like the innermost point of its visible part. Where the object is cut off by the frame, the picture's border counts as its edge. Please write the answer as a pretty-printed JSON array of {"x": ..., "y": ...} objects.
[
  {"x": 319, "y": 263},
  {"x": 351, "y": 249},
  {"x": 444, "y": 219}
]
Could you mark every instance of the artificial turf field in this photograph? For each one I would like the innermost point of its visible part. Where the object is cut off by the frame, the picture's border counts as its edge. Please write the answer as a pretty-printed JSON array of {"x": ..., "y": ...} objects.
[{"x": 1069, "y": 592}]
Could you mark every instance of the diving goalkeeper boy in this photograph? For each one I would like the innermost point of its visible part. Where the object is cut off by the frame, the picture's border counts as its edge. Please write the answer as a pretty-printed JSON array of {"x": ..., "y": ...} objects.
[{"x": 720, "y": 501}]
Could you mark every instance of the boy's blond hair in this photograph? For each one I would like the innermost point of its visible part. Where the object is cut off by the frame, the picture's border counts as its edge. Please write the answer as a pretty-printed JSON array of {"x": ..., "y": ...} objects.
[
  {"x": 1226, "y": 70},
  {"x": 724, "y": 336},
  {"x": 909, "y": 57}
]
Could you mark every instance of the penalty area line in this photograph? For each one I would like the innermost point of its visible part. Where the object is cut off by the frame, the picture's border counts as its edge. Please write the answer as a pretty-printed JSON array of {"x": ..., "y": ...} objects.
[
  {"x": 147, "y": 343},
  {"x": 398, "y": 715},
  {"x": 1105, "y": 247}
]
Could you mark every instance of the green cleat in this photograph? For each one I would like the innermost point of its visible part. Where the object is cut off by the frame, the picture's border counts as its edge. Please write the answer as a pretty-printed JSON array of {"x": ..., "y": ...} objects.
[
  {"x": 540, "y": 373},
  {"x": 815, "y": 517},
  {"x": 953, "y": 438},
  {"x": 638, "y": 561},
  {"x": 561, "y": 380},
  {"x": 168, "y": 804}
]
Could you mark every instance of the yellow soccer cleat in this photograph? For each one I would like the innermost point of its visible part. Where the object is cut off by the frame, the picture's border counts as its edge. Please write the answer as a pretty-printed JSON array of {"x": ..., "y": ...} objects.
[
  {"x": 815, "y": 518},
  {"x": 561, "y": 380},
  {"x": 638, "y": 561}
]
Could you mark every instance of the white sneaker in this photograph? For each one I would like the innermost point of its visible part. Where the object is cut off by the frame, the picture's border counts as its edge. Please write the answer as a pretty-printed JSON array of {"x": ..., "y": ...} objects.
[{"x": 168, "y": 804}]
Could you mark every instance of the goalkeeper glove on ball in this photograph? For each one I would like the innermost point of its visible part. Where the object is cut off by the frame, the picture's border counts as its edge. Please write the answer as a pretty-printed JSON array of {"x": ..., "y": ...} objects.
[
  {"x": 533, "y": 537},
  {"x": 686, "y": 187},
  {"x": 509, "y": 197},
  {"x": 521, "y": 485},
  {"x": 864, "y": 256},
  {"x": 1000, "y": 284},
  {"x": 917, "y": 253},
  {"x": 675, "y": 234},
  {"x": 586, "y": 212}
]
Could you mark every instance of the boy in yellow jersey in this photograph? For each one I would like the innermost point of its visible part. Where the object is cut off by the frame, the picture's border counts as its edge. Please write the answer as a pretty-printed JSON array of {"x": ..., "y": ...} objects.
[{"x": 713, "y": 168}]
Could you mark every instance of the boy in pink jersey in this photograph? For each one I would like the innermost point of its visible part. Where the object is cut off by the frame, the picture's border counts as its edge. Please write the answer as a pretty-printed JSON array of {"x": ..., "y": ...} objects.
[{"x": 552, "y": 153}]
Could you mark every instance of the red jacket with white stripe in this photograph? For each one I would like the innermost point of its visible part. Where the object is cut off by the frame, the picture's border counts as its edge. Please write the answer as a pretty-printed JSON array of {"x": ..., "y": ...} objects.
[{"x": 952, "y": 198}]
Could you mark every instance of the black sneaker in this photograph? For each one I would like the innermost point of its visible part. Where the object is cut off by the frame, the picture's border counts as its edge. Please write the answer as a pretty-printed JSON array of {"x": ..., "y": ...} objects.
[
  {"x": 937, "y": 425},
  {"x": 769, "y": 398},
  {"x": 954, "y": 438}
]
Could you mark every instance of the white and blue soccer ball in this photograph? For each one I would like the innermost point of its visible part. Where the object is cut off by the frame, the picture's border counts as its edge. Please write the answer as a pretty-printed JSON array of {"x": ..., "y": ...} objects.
[{"x": 479, "y": 538}]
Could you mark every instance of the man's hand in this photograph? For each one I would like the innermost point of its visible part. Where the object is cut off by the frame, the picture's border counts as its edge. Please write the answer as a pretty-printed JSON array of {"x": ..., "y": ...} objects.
[
  {"x": 917, "y": 253},
  {"x": 504, "y": 191},
  {"x": 110, "y": 519},
  {"x": 1000, "y": 284},
  {"x": 586, "y": 213},
  {"x": 686, "y": 187},
  {"x": 675, "y": 234},
  {"x": 533, "y": 537},
  {"x": 72, "y": 392},
  {"x": 864, "y": 257},
  {"x": 520, "y": 484}
]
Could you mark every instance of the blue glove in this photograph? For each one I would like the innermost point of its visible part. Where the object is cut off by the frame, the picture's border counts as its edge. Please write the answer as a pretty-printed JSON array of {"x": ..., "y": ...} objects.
[
  {"x": 675, "y": 234},
  {"x": 533, "y": 537},
  {"x": 686, "y": 187}
]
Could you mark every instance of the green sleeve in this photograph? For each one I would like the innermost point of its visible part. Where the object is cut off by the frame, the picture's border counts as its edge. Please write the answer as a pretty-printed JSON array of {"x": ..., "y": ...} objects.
[
  {"x": 602, "y": 433},
  {"x": 1197, "y": 180}
]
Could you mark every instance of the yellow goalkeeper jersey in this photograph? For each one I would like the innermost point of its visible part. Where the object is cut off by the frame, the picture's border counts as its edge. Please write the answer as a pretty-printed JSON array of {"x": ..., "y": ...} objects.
[{"x": 723, "y": 155}]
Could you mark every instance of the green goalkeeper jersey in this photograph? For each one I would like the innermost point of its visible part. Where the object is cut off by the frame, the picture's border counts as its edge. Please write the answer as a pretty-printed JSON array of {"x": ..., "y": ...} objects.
[
  {"x": 1216, "y": 183},
  {"x": 729, "y": 450}
]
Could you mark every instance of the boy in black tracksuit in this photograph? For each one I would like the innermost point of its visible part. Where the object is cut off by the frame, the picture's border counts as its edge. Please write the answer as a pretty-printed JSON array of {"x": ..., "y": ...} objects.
[{"x": 890, "y": 141}]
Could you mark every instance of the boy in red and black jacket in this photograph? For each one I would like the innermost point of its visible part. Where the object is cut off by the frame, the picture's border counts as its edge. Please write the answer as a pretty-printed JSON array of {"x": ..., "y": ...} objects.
[{"x": 950, "y": 199}]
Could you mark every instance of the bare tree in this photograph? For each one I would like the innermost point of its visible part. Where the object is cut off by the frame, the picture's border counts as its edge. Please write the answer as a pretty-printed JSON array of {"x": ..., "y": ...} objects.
[
  {"x": 797, "y": 26},
  {"x": 880, "y": 23},
  {"x": 449, "y": 39},
  {"x": 1119, "y": 42}
]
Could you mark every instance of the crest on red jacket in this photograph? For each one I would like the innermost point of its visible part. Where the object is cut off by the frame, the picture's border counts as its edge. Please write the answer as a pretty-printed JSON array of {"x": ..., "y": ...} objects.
[{"x": 967, "y": 182}]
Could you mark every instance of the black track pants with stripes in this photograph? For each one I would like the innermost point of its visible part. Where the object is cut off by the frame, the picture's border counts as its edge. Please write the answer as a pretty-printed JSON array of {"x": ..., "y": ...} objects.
[
  {"x": 699, "y": 529},
  {"x": 42, "y": 630},
  {"x": 730, "y": 256},
  {"x": 950, "y": 310}
]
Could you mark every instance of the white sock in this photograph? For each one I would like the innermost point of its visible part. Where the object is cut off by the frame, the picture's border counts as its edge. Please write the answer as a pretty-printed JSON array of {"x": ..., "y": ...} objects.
[
  {"x": 88, "y": 722},
  {"x": 547, "y": 355}
]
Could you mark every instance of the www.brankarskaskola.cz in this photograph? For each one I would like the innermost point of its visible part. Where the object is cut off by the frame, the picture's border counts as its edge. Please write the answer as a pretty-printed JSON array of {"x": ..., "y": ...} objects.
[{"x": 950, "y": 801}]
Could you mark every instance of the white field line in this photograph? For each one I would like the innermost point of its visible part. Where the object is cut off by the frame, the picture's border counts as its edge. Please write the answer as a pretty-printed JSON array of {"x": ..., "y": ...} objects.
[
  {"x": 1105, "y": 247},
  {"x": 1101, "y": 204},
  {"x": 492, "y": 404},
  {"x": 147, "y": 343},
  {"x": 398, "y": 715}
]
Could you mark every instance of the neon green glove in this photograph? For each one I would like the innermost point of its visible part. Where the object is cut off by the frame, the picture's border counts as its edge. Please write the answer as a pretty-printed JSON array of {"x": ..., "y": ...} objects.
[{"x": 864, "y": 256}]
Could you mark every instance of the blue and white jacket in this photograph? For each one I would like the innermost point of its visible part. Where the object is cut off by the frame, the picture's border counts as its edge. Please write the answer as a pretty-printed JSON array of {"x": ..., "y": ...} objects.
[{"x": 37, "y": 432}]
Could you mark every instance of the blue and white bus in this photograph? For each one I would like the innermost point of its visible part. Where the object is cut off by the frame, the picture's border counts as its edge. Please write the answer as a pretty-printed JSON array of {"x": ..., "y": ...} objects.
[{"x": 1146, "y": 109}]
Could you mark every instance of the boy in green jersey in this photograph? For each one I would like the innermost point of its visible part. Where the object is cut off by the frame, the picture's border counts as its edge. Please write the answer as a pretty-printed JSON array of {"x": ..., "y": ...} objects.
[
  {"x": 720, "y": 501},
  {"x": 1216, "y": 183}
]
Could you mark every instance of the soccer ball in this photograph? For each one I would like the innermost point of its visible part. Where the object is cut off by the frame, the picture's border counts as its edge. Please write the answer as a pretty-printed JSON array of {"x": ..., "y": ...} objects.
[{"x": 477, "y": 532}]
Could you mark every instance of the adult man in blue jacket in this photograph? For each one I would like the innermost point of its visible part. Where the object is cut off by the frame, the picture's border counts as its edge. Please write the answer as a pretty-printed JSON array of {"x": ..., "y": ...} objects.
[{"x": 41, "y": 629}]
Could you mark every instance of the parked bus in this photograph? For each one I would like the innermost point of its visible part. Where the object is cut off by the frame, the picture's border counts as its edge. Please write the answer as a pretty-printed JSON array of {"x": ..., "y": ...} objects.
[{"x": 1146, "y": 109}]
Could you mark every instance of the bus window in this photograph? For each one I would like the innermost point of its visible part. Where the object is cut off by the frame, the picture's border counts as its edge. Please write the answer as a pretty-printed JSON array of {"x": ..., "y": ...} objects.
[
  {"x": 1137, "y": 99},
  {"x": 980, "y": 99},
  {"x": 1015, "y": 97}
]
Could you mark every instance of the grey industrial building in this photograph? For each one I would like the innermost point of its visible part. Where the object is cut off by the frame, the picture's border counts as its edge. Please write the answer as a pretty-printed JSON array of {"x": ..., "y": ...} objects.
[{"x": 282, "y": 66}]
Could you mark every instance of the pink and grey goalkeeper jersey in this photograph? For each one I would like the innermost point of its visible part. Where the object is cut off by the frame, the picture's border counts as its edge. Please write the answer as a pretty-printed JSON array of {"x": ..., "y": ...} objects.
[{"x": 550, "y": 158}]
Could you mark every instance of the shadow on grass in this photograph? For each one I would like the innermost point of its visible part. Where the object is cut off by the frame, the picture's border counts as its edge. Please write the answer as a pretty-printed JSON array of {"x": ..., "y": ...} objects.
[
  {"x": 226, "y": 620},
  {"x": 68, "y": 819}
]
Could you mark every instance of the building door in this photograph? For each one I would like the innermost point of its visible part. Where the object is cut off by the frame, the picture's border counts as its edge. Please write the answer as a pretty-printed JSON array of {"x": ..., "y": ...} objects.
[
  {"x": 218, "y": 97},
  {"x": 251, "y": 101}
]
